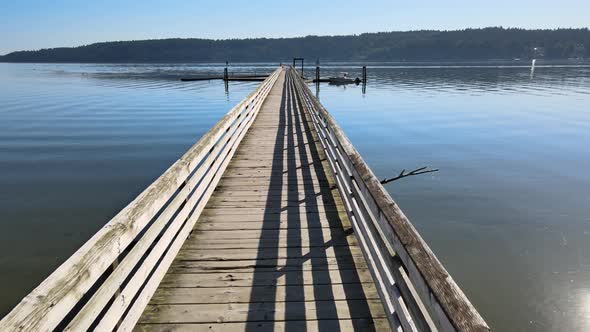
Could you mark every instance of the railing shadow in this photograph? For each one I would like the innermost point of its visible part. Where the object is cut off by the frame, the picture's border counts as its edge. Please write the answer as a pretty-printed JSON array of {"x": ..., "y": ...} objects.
[
  {"x": 313, "y": 229},
  {"x": 352, "y": 287},
  {"x": 269, "y": 236}
]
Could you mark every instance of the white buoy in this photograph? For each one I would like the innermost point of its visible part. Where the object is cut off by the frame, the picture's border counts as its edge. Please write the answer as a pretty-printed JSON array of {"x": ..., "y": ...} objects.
[{"x": 533, "y": 67}]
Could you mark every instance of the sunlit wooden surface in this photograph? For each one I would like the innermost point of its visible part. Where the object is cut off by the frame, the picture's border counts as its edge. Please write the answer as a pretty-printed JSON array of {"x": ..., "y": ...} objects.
[{"x": 274, "y": 248}]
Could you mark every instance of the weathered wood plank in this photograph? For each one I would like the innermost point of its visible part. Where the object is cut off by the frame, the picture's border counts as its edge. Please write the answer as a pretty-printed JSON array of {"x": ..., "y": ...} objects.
[
  {"x": 267, "y": 293},
  {"x": 302, "y": 209},
  {"x": 261, "y": 254},
  {"x": 269, "y": 278},
  {"x": 268, "y": 163},
  {"x": 276, "y": 198},
  {"x": 335, "y": 241},
  {"x": 318, "y": 236},
  {"x": 286, "y": 180},
  {"x": 281, "y": 240},
  {"x": 303, "y": 225},
  {"x": 376, "y": 324},
  {"x": 272, "y": 188},
  {"x": 224, "y": 203},
  {"x": 291, "y": 175},
  {"x": 261, "y": 266},
  {"x": 307, "y": 240},
  {"x": 260, "y": 311}
]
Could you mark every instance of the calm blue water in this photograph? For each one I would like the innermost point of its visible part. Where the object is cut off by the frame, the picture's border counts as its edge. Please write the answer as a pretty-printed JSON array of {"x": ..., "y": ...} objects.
[
  {"x": 78, "y": 143},
  {"x": 508, "y": 213}
]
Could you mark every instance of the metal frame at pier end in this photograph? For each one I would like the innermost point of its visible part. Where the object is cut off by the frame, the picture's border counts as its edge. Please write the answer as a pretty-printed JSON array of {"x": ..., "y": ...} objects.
[
  {"x": 108, "y": 282},
  {"x": 302, "y": 61},
  {"x": 417, "y": 292}
]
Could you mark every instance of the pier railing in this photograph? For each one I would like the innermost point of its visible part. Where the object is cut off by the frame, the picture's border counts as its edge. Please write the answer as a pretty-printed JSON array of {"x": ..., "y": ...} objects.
[
  {"x": 107, "y": 283},
  {"x": 417, "y": 292}
]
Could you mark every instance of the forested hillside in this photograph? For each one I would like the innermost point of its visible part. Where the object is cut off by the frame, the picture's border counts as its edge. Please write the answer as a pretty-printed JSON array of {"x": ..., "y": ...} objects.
[{"x": 468, "y": 44}]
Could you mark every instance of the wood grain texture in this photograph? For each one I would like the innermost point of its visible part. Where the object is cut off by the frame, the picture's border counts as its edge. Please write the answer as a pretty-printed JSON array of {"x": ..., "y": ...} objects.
[
  {"x": 376, "y": 324},
  {"x": 262, "y": 311}
]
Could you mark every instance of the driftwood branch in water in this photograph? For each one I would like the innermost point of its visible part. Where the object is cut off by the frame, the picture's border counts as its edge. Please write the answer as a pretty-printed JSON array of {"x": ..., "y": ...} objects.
[{"x": 403, "y": 174}]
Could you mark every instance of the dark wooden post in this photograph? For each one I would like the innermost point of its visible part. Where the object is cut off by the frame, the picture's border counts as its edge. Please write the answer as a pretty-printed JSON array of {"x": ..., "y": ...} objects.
[
  {"x": 317, "y": 90},
  {"x": 317, "y": 74},
  {"x": 225, "y": 73},
  {"x": 364, "y": 79}
]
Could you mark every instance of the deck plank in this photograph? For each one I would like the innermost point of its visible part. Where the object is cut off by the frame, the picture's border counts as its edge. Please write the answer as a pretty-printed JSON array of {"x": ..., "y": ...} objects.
[
  {"x": 270, "y": 278},
  {"x": 262, "y": 311},
  {"x": 377, "y": 324},
  {"x": 267, "y": 293}
]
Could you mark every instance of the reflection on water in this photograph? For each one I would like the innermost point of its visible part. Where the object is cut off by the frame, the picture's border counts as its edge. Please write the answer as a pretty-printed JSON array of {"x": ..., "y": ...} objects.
[{"x": 508, "y": 213}]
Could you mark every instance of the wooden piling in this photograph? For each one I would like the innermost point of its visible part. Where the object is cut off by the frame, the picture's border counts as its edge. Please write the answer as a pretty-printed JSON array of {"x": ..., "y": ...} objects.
[{"x": 317, "y": 74}]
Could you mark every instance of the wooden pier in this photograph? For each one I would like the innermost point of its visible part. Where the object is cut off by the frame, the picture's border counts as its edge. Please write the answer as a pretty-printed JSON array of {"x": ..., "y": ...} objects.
[{"x": 272, "y": 221}]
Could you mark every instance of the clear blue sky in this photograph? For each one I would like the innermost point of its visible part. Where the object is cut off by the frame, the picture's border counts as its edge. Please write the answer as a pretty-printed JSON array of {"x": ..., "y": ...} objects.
[{"x": 34, "y": 24}]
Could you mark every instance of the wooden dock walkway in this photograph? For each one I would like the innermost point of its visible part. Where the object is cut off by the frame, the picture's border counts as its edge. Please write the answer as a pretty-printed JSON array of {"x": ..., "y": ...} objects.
[
  {"x": 272, "y": 221},
  {"x": 274, "y": 246}
]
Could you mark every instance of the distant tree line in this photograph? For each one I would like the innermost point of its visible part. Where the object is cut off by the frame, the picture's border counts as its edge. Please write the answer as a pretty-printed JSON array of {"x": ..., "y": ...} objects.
[{"x": 423, "y": 45}]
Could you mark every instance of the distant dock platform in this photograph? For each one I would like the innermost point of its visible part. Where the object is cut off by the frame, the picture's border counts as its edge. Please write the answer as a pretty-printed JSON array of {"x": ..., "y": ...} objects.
[{"x": 247, "y": 78}]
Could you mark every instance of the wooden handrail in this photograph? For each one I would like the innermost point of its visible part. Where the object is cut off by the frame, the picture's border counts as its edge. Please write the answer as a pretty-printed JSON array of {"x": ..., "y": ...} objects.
[
  {"x": 107, "y": 283},
  {"x": 416, "y": 289}
]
